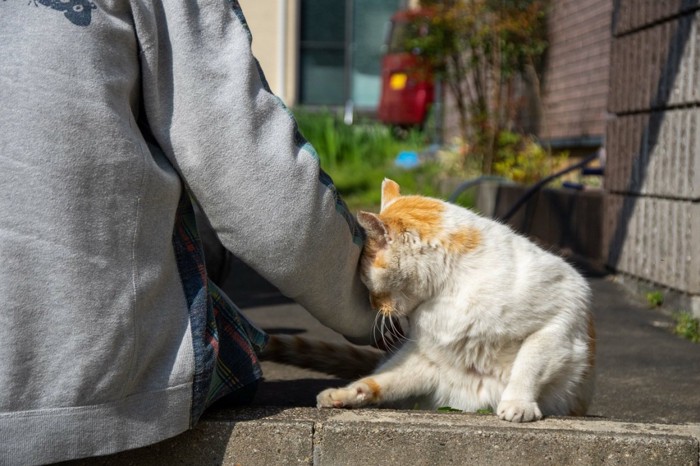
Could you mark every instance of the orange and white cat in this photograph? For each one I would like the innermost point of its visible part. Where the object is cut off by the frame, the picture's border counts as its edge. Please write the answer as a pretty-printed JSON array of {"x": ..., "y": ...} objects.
[{"x": 494, "y": 321}]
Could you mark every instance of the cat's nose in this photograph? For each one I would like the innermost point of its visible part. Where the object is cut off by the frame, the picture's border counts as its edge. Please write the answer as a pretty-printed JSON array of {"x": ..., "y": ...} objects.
[{"x": 381, "y": 303}]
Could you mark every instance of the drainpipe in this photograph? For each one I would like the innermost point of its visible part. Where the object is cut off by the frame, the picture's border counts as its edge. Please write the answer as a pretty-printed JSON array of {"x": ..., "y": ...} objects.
[
  {"x": 349, "y": 113},
  {"x": 282, "y": 49}
]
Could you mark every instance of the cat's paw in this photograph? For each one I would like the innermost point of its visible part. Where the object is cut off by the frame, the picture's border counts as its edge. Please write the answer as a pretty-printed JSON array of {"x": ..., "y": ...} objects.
[
  {"x": 519, "y": 411},
  {"x": 353, "y": 396}
]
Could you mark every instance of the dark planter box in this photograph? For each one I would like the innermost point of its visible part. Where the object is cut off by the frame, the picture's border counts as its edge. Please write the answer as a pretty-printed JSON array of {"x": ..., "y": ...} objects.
[{"x": 567, "y": 221}]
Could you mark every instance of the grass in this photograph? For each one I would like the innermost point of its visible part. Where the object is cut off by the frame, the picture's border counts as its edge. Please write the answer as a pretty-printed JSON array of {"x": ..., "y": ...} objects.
[
  {"x": 360, "y": 185},
  {"x": 655, "y": 298},
  {"x": 360, "y": 144},
  {"x": 449, "y": 409},
  {"x": 687, "y": 326},
  {"x": 359, "y": 156}
]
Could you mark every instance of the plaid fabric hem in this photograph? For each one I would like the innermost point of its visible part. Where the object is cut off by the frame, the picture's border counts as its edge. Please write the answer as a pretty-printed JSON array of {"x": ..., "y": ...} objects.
[
  {"x": 223, "y": 340},
  {"x": 238, "y": 341}
]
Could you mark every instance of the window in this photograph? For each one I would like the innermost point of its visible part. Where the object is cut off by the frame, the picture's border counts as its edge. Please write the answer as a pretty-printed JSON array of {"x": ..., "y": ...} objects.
[
  {"x": 322, "y": 52},
  {"x": 335, "y": 65}
]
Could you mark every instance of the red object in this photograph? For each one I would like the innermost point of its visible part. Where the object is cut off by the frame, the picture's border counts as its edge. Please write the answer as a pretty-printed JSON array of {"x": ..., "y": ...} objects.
[{"x": 407, "y": 82}]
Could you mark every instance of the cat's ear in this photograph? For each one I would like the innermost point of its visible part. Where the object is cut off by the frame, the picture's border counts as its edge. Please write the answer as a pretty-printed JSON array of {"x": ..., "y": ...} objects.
[
  {"x": 390, "y": 191},
  {"x": 374, "y": 227}
]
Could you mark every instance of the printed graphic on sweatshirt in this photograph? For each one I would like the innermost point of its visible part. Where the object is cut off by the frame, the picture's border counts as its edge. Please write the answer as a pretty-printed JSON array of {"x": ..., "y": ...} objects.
[{"x": 78, "y": 12}]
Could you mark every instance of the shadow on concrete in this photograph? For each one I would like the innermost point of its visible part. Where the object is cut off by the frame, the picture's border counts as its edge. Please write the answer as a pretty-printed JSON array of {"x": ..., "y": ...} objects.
[
  {"x": 205, "y": 444},
  {"x": 296, "y": 393}
]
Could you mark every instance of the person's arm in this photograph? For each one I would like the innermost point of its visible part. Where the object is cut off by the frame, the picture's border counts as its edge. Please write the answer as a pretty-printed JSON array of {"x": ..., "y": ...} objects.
[{"x": 238, "y": 150}]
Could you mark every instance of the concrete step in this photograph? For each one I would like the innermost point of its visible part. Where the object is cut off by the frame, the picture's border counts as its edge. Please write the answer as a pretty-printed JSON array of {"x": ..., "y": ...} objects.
[
  {"x": 289, "y": 436},
  {"x": 646, "y": 410}
]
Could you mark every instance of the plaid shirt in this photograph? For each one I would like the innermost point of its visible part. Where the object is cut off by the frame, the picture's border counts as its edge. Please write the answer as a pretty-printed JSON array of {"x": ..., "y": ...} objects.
[{"x": 224, "y": 342}]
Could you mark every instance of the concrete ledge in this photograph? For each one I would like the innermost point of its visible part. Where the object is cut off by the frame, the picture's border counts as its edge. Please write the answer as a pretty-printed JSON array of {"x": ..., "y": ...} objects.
[
  {"x": 646, "y": 376},
  {"x": 271, "y": 436}
]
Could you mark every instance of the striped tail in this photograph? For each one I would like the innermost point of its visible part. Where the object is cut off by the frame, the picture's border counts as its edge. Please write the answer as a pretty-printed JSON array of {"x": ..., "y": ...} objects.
[{"x": 339, "y": 359}]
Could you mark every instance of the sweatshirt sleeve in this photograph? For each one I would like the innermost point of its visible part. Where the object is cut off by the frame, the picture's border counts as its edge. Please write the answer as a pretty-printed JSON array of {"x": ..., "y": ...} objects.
[{"x": 238, "y": 149}]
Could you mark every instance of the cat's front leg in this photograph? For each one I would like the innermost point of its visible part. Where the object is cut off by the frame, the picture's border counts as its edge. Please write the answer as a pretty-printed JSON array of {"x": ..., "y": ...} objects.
[
  {"x": 405, "y": 374},
  {"x": 519, "y": 411},
  {"x": 356, "y": 395},
  {"x": 539, "y": 359}
]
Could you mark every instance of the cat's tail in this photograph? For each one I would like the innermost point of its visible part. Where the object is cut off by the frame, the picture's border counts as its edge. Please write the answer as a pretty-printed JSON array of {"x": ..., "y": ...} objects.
[{"x": 339, "y": 359}]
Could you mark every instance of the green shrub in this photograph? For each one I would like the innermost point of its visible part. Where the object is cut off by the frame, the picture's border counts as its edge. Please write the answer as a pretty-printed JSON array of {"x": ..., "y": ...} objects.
[{"x": 523, "y": 160}]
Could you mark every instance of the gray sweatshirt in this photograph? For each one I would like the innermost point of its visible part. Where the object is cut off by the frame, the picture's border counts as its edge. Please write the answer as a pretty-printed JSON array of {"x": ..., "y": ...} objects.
[{"x": 108, "y": 106}]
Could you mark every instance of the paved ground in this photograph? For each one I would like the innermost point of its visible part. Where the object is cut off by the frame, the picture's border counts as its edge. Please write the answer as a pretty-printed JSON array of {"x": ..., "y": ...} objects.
[{"x": 644, "y": 373}]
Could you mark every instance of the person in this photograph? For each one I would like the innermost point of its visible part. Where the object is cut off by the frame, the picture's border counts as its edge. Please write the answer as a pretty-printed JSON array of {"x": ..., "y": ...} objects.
[{"x": 118, "y": 116}]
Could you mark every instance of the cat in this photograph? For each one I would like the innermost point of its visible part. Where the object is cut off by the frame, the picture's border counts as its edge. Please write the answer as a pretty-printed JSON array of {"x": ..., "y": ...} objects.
[{"x": 495, "y": 322}]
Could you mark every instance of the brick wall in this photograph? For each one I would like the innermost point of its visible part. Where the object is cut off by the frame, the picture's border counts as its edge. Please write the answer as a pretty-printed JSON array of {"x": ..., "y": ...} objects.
[
  {"x": 652, "y": 207},
  {"x": 575, "y": 84}
]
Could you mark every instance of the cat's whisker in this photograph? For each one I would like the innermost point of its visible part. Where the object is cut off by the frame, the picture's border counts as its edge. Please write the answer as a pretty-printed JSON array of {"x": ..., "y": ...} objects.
[
  {"x": 387, "y": 342},
  {"x": 398, "y": 333},
  {"x": 388, "y": 334},
  {"x": 381, "y": 327},
  {"x": 376, "y": 325}
]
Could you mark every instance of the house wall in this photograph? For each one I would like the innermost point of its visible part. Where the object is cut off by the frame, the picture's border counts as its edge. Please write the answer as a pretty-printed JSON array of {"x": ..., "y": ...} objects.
[
  {"x": 575, "y": 82},
  {"x": 652, "y": 207},
  {"x": 278, "y": 56}
]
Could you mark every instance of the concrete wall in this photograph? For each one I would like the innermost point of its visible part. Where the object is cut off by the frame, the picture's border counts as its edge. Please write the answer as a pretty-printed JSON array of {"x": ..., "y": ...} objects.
[{"x": 652, "y": 209}]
